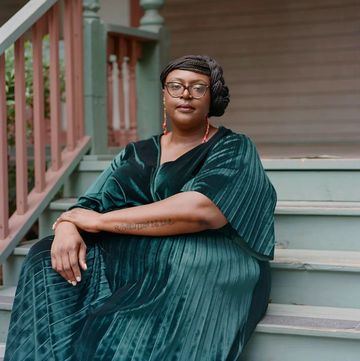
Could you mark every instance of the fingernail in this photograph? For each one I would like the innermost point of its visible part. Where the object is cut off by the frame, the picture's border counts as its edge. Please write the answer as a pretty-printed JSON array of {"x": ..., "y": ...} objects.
[
  {"x": 69, "y": 281},
  {"x": 73, "y": 283},
  {"x": 85, "y": 267},
  {"x": 78, "y": 278}
]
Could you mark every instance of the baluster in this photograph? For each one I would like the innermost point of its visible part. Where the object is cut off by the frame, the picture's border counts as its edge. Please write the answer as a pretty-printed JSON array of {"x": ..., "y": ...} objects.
[
  {"x": 151, "y": 20},
  {"x": 55, "y": 101},
  {"x": 69, "y": 75},
  {"x": 4, "y": 204},
  {"x": 134, "y": 56},
  {"x": 78, "y": 67},
  {"x": 121, "y": 138},
  {"x": 38, "y": 101},
  {"x": 20, "y": 129},
  {"x": 115, "y": 111},
  {"x": 126, "y": 81}
]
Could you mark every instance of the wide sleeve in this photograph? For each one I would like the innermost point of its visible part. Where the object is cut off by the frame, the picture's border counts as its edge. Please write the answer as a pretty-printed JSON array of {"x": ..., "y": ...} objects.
[
  {"x": 92, "y": 198},
  {"x": 234, "y": 179}
]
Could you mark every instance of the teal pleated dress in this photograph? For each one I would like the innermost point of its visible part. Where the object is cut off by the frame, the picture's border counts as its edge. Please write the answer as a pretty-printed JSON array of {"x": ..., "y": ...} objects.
[{"x": 189, "y": 297}]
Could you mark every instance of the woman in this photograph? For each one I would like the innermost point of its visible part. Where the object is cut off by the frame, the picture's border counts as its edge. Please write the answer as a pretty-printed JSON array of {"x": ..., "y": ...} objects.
[{"x": 166, "y": 255}]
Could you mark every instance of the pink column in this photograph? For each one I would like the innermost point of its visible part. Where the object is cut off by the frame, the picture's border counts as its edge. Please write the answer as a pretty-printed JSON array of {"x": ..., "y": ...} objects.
[
  {"x": 121, "y": 135},
  {"x": 20, "y": 129},
  {"x": 78, "y": 67},
  {"x": 69, "y": 74},
  {"x": 4, "y": 208},
  {"x": 38, "y": 101},
  {"x": 55, "y": 105},
  {"x": 133, "y": 96}
]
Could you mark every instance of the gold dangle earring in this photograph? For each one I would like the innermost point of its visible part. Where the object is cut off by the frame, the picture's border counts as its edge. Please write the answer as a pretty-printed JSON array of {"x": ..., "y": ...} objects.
[
  {"x": 206, "y": 135},
  {"x": 164, "y": 126}
]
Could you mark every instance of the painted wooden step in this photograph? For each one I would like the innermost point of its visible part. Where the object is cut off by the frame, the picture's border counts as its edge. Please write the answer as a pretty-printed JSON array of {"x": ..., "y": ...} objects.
[
  {"x": 2, "y": 351},
  {"x": 12, "y": 265},
  {"x": 294, "y": 179},
  {"x": 322, "y": 278},
  {"x": 333, "y": 179},
  {"x": 325, "y": 278},
  {"x": 318, "y": 225},
  {"x": 298, "y": 224},
  {"x": 7, "y": 295},
  {"x": 298, "y": 333}
]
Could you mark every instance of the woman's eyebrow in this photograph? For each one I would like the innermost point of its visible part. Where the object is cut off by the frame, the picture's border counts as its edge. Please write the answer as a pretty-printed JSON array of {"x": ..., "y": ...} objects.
[{"x": 191, "y": 82}]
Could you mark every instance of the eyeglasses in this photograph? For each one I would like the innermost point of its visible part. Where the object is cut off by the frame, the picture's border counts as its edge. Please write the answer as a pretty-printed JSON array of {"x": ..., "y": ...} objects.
[{"x": 176, "y": 90}]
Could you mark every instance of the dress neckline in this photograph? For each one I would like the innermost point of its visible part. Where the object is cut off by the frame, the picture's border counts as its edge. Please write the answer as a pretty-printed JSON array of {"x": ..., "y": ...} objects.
[{"x": 219, "y": 132}]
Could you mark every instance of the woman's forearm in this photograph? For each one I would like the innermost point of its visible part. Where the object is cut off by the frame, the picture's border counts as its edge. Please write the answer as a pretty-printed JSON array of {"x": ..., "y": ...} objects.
[{"x": 185, "y": 212}]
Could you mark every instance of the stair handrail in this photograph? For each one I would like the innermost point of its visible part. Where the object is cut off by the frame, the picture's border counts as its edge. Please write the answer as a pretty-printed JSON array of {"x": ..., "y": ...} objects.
[{"x": 41, "y": 16}]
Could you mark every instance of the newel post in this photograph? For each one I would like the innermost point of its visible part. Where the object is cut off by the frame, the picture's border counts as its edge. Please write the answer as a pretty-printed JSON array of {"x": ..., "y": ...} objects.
[
  {"x": 95, "y": 87},
  {"x": 154, "y": 57},
  {"x": 151, "y": 20}
]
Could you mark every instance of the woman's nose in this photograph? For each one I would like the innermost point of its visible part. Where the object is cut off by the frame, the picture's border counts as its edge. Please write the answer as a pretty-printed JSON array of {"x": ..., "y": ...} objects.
[{"x": 186, "y": 93}]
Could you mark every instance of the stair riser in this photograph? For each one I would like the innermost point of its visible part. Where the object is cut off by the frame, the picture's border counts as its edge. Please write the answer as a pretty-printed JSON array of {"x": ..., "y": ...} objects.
[
  {"x": 4, "y": 324},
  {"x": 46, "y": 220},
  {"x": 316, "y": 185},
  {"x": 318, "y": 288},
  {"x": 318, "y": 232},
  {"x": 79, "y": 182},
  {"x": 282, "y": 347},
  {"x": 11, "y": 270}
]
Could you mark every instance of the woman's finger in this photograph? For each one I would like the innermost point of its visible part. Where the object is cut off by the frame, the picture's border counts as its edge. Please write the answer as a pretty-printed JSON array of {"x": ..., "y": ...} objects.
[
  {"x": 67, "y": 268},
  {"x": 82, "y": 256},
  {"x": 74, "y": 264}
]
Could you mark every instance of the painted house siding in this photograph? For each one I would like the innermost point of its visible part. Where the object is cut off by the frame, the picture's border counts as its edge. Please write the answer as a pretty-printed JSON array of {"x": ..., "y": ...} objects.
[{"x": 293, "y": 67}]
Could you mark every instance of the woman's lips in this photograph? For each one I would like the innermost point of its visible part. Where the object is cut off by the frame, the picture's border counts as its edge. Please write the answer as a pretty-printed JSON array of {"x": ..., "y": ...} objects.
[{"x": 185, "y": 108}]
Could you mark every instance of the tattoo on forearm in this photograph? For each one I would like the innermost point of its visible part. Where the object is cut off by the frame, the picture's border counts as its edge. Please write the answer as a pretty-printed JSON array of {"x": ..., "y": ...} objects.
[{"x": 143, "y": 225}]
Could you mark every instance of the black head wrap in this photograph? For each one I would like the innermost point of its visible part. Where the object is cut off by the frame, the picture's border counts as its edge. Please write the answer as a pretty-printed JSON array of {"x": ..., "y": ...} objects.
[{"x": 204, "y": 65}]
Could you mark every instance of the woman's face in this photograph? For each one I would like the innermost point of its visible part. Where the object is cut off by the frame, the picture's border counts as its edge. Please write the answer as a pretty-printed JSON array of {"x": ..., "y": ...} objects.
[{"x": 187, "y": 112}]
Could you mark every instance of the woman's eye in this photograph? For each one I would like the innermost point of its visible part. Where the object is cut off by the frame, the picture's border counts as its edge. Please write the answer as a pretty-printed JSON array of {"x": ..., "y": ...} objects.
[
  {"x": 175, "y": 86},
  {"x": 198, "y": 87}
]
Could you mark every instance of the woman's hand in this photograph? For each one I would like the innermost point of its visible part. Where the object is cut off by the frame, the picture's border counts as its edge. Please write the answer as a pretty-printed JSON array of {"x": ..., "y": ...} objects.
[
  {"x": 84, "y": 219},
  {"x": 68, "y": 252}
]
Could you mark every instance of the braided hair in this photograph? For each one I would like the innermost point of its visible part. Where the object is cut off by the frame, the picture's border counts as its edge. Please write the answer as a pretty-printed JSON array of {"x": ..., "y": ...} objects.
[{"x": 204, "y": 65}]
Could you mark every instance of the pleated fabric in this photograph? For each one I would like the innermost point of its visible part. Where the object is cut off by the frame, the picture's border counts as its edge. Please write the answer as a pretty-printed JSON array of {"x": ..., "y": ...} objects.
[{"x": 188, "y": 297}]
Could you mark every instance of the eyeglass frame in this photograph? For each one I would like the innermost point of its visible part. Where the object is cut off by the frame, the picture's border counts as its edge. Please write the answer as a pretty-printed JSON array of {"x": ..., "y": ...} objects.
[{"x": 188, "y": 87}]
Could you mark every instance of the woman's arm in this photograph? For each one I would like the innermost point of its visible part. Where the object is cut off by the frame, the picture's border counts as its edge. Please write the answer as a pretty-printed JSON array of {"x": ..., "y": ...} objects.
[{"x": 184, "y": 212}]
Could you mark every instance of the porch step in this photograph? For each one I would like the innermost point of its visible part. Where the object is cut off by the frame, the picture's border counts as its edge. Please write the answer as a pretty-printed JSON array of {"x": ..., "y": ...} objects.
[
  {"x": 312, "y": 179},
  {"x": 287, "y": 332},
  {"x": 318, "y": 225},
  {"x": 2, "y": 351},
  {"x": 307, "y": 179},
  {"x": 7, "y": 295},
  {"x": 314, "y": 277},
  {"x": 298, "y": 224},
  {"x": 310, "y": 333},
  {"x": 320, "y": 278},
  {"x": 12, "y": 265}
]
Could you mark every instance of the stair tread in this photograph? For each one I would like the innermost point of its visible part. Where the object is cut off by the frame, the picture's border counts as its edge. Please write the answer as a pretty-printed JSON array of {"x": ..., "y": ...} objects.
[
  {"x": 303, "y": 163},
  {"x": 283, "y": 318},
  {"x": 286, "y": 258},
  {"x": 317, "y": 259},
  {"x": 282, "y": 207},
  {"x": 2, "y": 350},
  {"x": 7, "y": 294},
  {"x": 318, "y": 208},
  {"x": 311, "y": 320}
]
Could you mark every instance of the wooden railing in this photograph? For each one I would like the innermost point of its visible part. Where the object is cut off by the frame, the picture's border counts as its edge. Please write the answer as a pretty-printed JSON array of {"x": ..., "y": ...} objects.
[
  {"x": 36, "y": 19},
  {"x": 124, "y": 51}
]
